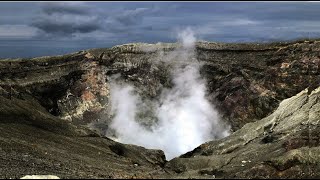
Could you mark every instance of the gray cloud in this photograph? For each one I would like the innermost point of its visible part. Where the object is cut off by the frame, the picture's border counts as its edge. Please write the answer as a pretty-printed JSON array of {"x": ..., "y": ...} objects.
[
  {"x": 297, "y": 11},
  {"x": 63, "y": 19},
  {"x": 132, "y": 17},
  {"x": 67, "y": 19},
  {"x": 154, "y": 21},
  {"x": 104, "y": 24},
  {"x": 64, "y": 28},
  {"x": 65, "y": 8}
]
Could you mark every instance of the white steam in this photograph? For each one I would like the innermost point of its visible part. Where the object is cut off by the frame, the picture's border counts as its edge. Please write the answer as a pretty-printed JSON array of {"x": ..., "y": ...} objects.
[
  {"x": 187, "y": 38},
  {"x": 186, "y": 118}
]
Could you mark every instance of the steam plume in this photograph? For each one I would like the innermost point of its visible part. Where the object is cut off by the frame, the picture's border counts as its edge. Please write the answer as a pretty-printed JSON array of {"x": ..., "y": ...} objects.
[{"x": 186, "y": 118}]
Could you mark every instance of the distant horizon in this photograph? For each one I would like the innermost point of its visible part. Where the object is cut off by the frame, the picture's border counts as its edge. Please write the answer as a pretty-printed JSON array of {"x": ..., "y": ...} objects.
[{"x": 14, "y": 51}]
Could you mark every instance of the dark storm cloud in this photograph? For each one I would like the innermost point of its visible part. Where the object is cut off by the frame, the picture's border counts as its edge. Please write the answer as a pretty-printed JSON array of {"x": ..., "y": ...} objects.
[
  {"x": 64, "y": 28},
  {"x": 64, "y": 19},
  {"x": 64, "y": 8}
]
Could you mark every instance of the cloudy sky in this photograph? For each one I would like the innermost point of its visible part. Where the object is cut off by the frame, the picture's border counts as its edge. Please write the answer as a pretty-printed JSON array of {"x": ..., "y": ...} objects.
[{"x": 47, "y": 28}]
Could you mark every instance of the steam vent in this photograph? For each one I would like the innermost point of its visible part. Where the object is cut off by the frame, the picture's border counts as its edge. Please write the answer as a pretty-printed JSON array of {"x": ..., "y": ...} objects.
[{"x": 159, "y": 90}]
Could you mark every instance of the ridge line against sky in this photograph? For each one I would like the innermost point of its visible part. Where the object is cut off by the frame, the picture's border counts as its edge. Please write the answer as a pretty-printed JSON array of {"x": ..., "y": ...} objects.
[{"x": 105, "y": 24}]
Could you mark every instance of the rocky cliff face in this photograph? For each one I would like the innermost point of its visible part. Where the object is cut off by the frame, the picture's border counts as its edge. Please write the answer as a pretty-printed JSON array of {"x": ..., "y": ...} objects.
[
  {"x": 245, "y": 81},
  {"x": 47, "y": 103}
]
